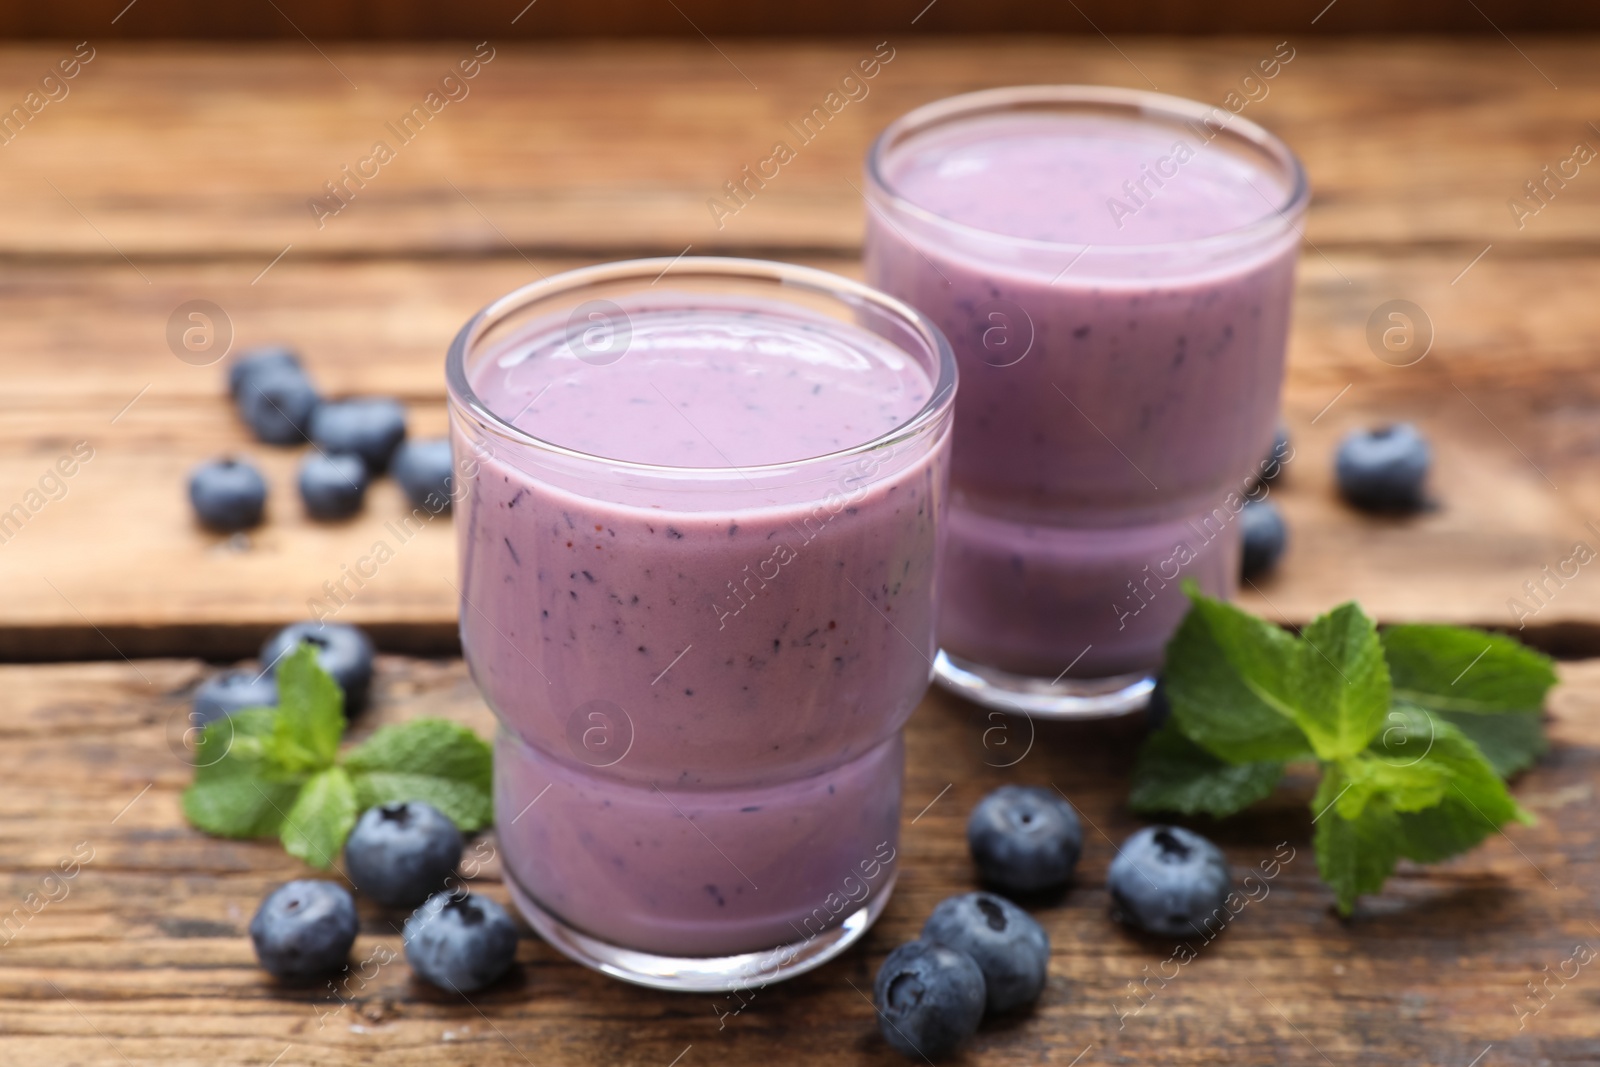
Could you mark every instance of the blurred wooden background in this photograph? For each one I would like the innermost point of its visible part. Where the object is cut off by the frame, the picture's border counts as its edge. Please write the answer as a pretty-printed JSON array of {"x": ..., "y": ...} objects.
[{"x": 429, "y": 19}]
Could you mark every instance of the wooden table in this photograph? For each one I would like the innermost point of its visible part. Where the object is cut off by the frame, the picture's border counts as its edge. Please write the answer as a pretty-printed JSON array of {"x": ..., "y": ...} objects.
[{"x": 179, "y": 173}]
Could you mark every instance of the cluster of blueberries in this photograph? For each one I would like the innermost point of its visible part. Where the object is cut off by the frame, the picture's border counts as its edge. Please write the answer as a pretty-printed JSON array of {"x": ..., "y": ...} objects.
[
  {"x": 1380, "y": 470},
  {"x": 345, "y": 652},
  {"x": 355, "y": 441},
  {"x": 980, "y": 953},
  {"x": 402, "y": 856}
]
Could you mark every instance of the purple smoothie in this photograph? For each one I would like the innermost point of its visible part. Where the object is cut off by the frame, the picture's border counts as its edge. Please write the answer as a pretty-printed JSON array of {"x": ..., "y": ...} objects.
[
  {"x": 1116, "y": 289},
  {"x": 701, "y": 674}
]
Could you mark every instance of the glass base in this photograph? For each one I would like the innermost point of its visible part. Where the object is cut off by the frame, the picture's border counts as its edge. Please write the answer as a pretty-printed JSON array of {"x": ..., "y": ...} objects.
[
  {"x": 1076, "y": 698},
  {"x": 710, "y": 974}
]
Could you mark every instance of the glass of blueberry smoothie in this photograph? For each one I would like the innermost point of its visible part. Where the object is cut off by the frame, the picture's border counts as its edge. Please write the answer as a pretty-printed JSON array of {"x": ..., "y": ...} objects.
[
  {"x": 699, "y": 534},
  {"x": 1113, "y": 269}
]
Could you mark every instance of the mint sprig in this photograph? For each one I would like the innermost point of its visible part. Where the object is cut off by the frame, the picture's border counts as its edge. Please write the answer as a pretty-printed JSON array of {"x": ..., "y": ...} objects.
[
  {"x": 266, "y": 772},
  {"x": 1413, "y": 731}
]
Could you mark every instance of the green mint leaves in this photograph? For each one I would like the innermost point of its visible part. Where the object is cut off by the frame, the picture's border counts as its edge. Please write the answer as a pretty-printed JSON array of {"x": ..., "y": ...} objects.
[
  {"x": 276, "y": 771},
  {"x": 1414, "y": 731}
]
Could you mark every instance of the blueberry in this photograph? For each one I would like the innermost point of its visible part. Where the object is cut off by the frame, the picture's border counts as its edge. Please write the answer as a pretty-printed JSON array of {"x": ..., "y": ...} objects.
[
  {"x": 460, "y": 941},
  {"x": 332, "y": 486},
  {"x": 1272, "y": 463},
  {"x": 1265, "y": 536},
  {"x": 1384, "y": 469},
  {"x": 261, "y": 358},
  {"x": 401, "y": 854},
  {"x": 1168, "y": 880},
  {"x": 369, "y": 427},
  {"x": 1024, "y": 839},
  {"x": 223, "y": 694},
  {"x": 1009, "y": 947},
  {"x": 343, "y": 651},
  {"x": 276, "y": 403},
  {"x": 929, "y": 998},
  {"x": 424, "y": 470},
  {"x": 228, "y": 494},
  {"x": 304, "y": 928}
]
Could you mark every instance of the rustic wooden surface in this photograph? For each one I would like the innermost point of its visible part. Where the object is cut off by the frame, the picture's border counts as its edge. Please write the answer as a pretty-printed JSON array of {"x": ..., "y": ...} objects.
[
  {"x": 421, "y": 20},
  {"x": 176, "y": 173},
  {"x": 145, "y": 958},
  {"x": 578, "y": 153}
]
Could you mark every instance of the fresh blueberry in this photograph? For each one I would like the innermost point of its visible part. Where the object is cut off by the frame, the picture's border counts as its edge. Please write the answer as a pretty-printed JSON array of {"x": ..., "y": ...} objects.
[
  {"x": 424, "y": 470},
  {"x": 223, "y": 694},
  {"x": 1167, "y": 880},
  {"x": 369, "y": 427},
  {"x": 343, "y": 651},
  {"x": 1009, "y": 947},
  {"x": 1024, "y": 839},
  {"x": 228, "y": 494},
  {"x": 1384, "y": 469},
  {"x": 1272, "y": 463},
  {"x": 1265, "y": 536},
  {"x": 929, "y": 998},
  {"x": 332, "y": 486},
  {"x": 276, "y": 403},
  {"x": 304, "y": 928},
  {"x": 260, "y": 358},
  {"x": 460, "y": 941},
  {"x": 401, "y": 854}
]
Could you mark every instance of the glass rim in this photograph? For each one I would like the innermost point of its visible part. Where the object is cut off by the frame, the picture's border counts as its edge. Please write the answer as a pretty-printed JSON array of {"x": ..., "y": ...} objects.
[
  {"x": 809, "y": 279},
  {"x": 1142, "y": 103}
]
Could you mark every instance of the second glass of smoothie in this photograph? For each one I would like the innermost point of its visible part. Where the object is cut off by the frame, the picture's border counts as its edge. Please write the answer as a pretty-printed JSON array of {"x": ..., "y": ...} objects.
[
  {"x": 1113, "y": 269},
  {"x": 699, "y": 536}
]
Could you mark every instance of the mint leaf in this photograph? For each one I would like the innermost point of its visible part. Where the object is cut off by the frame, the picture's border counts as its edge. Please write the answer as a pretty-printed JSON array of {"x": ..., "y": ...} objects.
[
  {"x": 1489, "y": 686},
  {"x": 323, "y": 814},
  {"x": 469, "y": 807},
  {"x": 1510, "y": 741},
  {"x": 1473, "y": 803},
  {"x": 1220, "y": 667},
  {"x": 433, "y": 760},
  {"x": 310, "y": 718},
  {"x": 1339, "y": 683},
  {"x": 1354, "y": 856},
  {"x": 238, "y": 790},
  {"x": 1450, "y": 668},
  {"x": 1175, "y": 774},
  {"x": 239, "y": 806}
]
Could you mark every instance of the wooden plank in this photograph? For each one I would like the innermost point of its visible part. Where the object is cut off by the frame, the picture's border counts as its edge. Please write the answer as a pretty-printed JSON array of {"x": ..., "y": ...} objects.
[
  {"x": 417, "y": 19},
  {"x": 145, "y": 957},
  {"x": 116, "y": 566},
  {"x": 603, "y": 149}
]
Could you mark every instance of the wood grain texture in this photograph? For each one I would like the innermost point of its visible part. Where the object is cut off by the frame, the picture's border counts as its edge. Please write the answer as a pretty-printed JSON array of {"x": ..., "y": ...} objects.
[
  {"x": 145, "y": 959},
  {"x": 419, "y": 19},
  {"x": 606, "y": 149},
  {"x": 1510, "y": 394}
]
